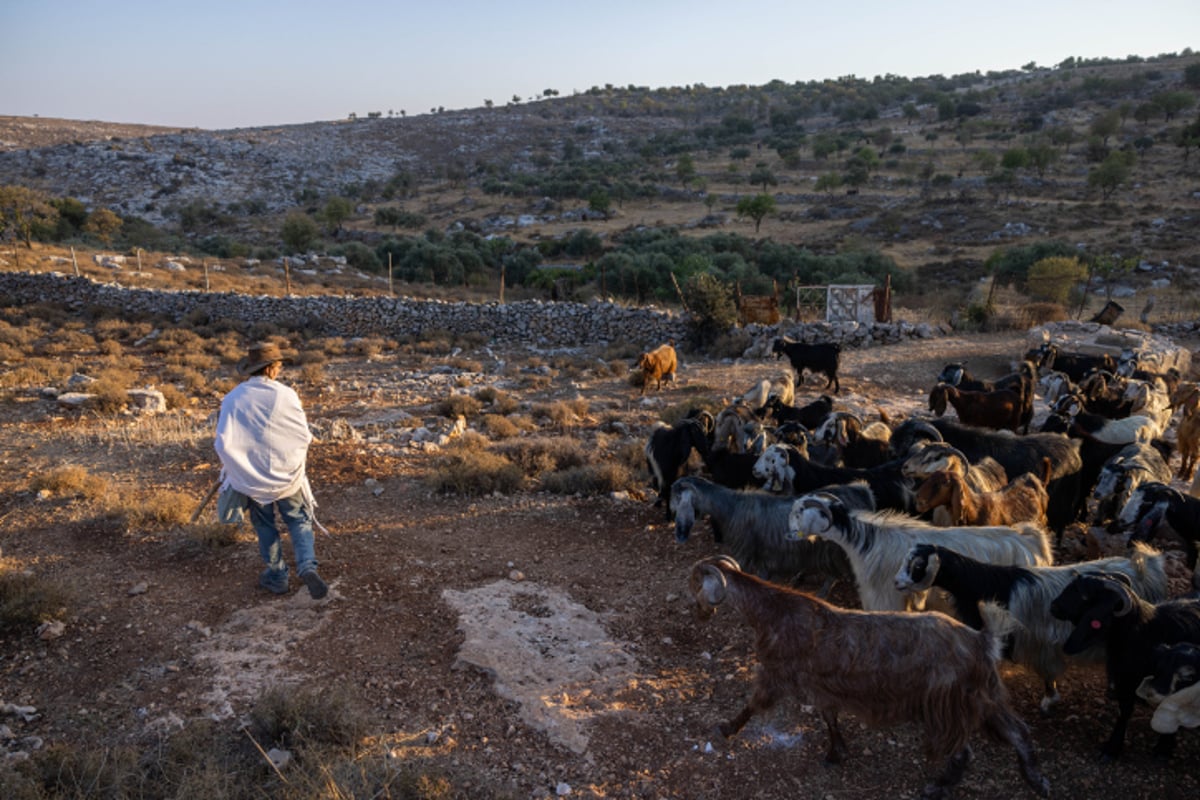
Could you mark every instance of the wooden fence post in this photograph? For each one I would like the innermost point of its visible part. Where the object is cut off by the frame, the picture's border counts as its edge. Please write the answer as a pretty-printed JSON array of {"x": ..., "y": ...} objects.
[
  {"x": 75, "y": 261},
  {"x": 679, "y": 292}
]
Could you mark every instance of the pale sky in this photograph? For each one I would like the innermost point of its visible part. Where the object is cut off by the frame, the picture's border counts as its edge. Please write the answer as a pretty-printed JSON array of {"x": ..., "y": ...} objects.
[{"x": 243, "y": 63}]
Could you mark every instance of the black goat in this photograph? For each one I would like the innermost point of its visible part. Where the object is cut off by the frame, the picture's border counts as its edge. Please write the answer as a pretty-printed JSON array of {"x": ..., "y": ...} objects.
[
  {"x": 1105, "y": 610},
  {"x": 1023, "y": 382},
  {"x": 822, "y": 357},
  {"x": 1075, "y": 365},
  {"x": 810, "y": 416}
]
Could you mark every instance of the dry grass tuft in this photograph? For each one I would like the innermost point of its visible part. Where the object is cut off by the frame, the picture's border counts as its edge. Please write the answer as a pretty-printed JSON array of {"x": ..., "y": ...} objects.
[
  {"x": 602, "y": 478},
  {"x": 71, "y": 480},
  {"x": 562, "y": 413},
  {"x": 459, "y": 405},
  {"x": 36, "y": 372},
  {"x": 151, "y": 509},
  {"x": 313, "y": 374},
  {"x": 292, "y": 717},
  {"x": 27, "y": 599},
  {"x": 471, "y": 470},
  {"x": 544, "y": 454},
  {"x": 213, "y": 534},
  {"x": 497, "y": 426},
  {"x": 500, "y": 401},
  {"x": 176, "y": 398}
]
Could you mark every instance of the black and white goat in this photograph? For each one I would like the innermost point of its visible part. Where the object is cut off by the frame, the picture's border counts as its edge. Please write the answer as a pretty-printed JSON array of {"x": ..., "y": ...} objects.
[
  {"x": 878, "y": 544},
  {"x": 1135, "y": 464},
  {"x": 1026, "y": 592},
  {"x": 754, "y": 526},
  {"x": 884, "y": 668},
  {"x": 788, "y": 469},
  {"x": 1174, "y": 688},
  {"x": 1154, "y": 503},
  {"x": 668, "y": 450},
  {"x": 1106, "y": 611}
]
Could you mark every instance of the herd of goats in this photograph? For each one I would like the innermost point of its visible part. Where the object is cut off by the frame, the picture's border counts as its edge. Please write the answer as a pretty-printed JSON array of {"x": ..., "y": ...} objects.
[{"x": 959, "y": 514}]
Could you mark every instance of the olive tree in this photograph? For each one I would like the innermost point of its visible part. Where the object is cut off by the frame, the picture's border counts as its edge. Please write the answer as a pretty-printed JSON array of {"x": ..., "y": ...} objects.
[
  {"x": 756, "y": 208},
  {"x": 22, "y": 209},
  {"x": 299, "y": 231},
  {"x": 103, "y": 223}
]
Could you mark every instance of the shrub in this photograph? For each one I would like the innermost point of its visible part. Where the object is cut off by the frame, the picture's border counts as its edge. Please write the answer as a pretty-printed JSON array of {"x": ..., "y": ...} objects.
[
  {"x": 603, "y": 478},
  {"x": 499, "y": 401},
  {"x": 712, "y": 307},
  {"x": 36, "y": 372},
  {"x": 27, "y": 599},
  {"x": 212, "y": 534},
  {"x": 544, "y": 454},
  {"x": 162, "y": 508},
  {"x": 1052, "y": 278},
  {"x": 1034, "y": 314},
  {"x": 110, "y": 347},
  {"x": 467, "y": 470},
  {"x": 194, "y": 382},
  {"x": 562, "y": 413},
  {"x": 459, "y": 405},
  {"x": 498, "y": 426},
  {"x": 291, "y": 717},
  {"x": 71, "y": 480},
  {"x": 68, "y": 343}
]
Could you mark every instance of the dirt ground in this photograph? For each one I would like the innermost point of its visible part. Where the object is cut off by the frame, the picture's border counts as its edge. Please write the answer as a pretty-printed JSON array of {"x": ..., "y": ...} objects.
[{"x": 527, "y": 645}]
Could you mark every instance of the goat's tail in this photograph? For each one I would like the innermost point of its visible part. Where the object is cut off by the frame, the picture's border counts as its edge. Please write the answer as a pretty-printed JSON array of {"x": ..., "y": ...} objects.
[{"x": 997, "y": 624}]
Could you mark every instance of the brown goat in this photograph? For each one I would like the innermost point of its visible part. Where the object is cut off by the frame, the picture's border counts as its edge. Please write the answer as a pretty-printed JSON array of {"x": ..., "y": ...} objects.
[
  {"x": 658, "y": 365},
  {"x": 1187, "y": 440},
  {"x": 1001, "y": 409},
  {"x": 883, "y": 667},
  {"x": 1024, "y": 499}
]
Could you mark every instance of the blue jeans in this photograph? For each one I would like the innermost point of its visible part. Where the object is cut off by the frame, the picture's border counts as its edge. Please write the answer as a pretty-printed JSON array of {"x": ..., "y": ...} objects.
[{"x": 298, "y": 519}]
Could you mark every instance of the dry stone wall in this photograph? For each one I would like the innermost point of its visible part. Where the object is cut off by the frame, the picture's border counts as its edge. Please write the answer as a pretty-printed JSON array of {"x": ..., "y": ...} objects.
[{"x": 530, "y": 322}]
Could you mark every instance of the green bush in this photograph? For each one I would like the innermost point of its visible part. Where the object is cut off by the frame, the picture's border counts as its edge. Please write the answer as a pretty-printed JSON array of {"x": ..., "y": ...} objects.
[
  {"x": 1051, "y": 279},
  {"x": 712, "y": 308}
]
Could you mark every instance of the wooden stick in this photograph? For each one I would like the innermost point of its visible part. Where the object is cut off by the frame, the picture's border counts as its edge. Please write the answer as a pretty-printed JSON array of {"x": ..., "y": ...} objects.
[{"x": 209, "y": 496}]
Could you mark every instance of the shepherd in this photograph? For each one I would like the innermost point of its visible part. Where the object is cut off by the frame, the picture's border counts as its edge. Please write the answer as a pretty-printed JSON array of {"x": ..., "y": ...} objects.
[{"x": 262, "y": 440}]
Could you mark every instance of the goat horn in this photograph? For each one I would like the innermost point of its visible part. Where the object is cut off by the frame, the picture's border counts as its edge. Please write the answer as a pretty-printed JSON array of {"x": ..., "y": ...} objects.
[{"x": 1126, "y": 600}]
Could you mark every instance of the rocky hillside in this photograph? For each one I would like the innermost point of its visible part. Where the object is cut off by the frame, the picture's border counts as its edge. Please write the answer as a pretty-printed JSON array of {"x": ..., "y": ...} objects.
[{"x": 936, "y": 173}]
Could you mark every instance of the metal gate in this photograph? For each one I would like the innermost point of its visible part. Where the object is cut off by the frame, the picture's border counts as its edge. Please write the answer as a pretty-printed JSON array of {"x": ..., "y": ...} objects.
[
  {"x": 850, "y": 304},
  {"x": 836, "y": 303}
]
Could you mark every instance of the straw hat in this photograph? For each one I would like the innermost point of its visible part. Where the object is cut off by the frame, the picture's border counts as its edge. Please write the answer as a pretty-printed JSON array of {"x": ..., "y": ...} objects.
[{"x": 258, "y": 356}]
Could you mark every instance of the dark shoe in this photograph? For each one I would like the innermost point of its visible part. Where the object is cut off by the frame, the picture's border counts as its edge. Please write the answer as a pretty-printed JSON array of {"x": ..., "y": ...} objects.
[
  {"x": 274, "y": 581},
  {"x": 316, "y": 587}
]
